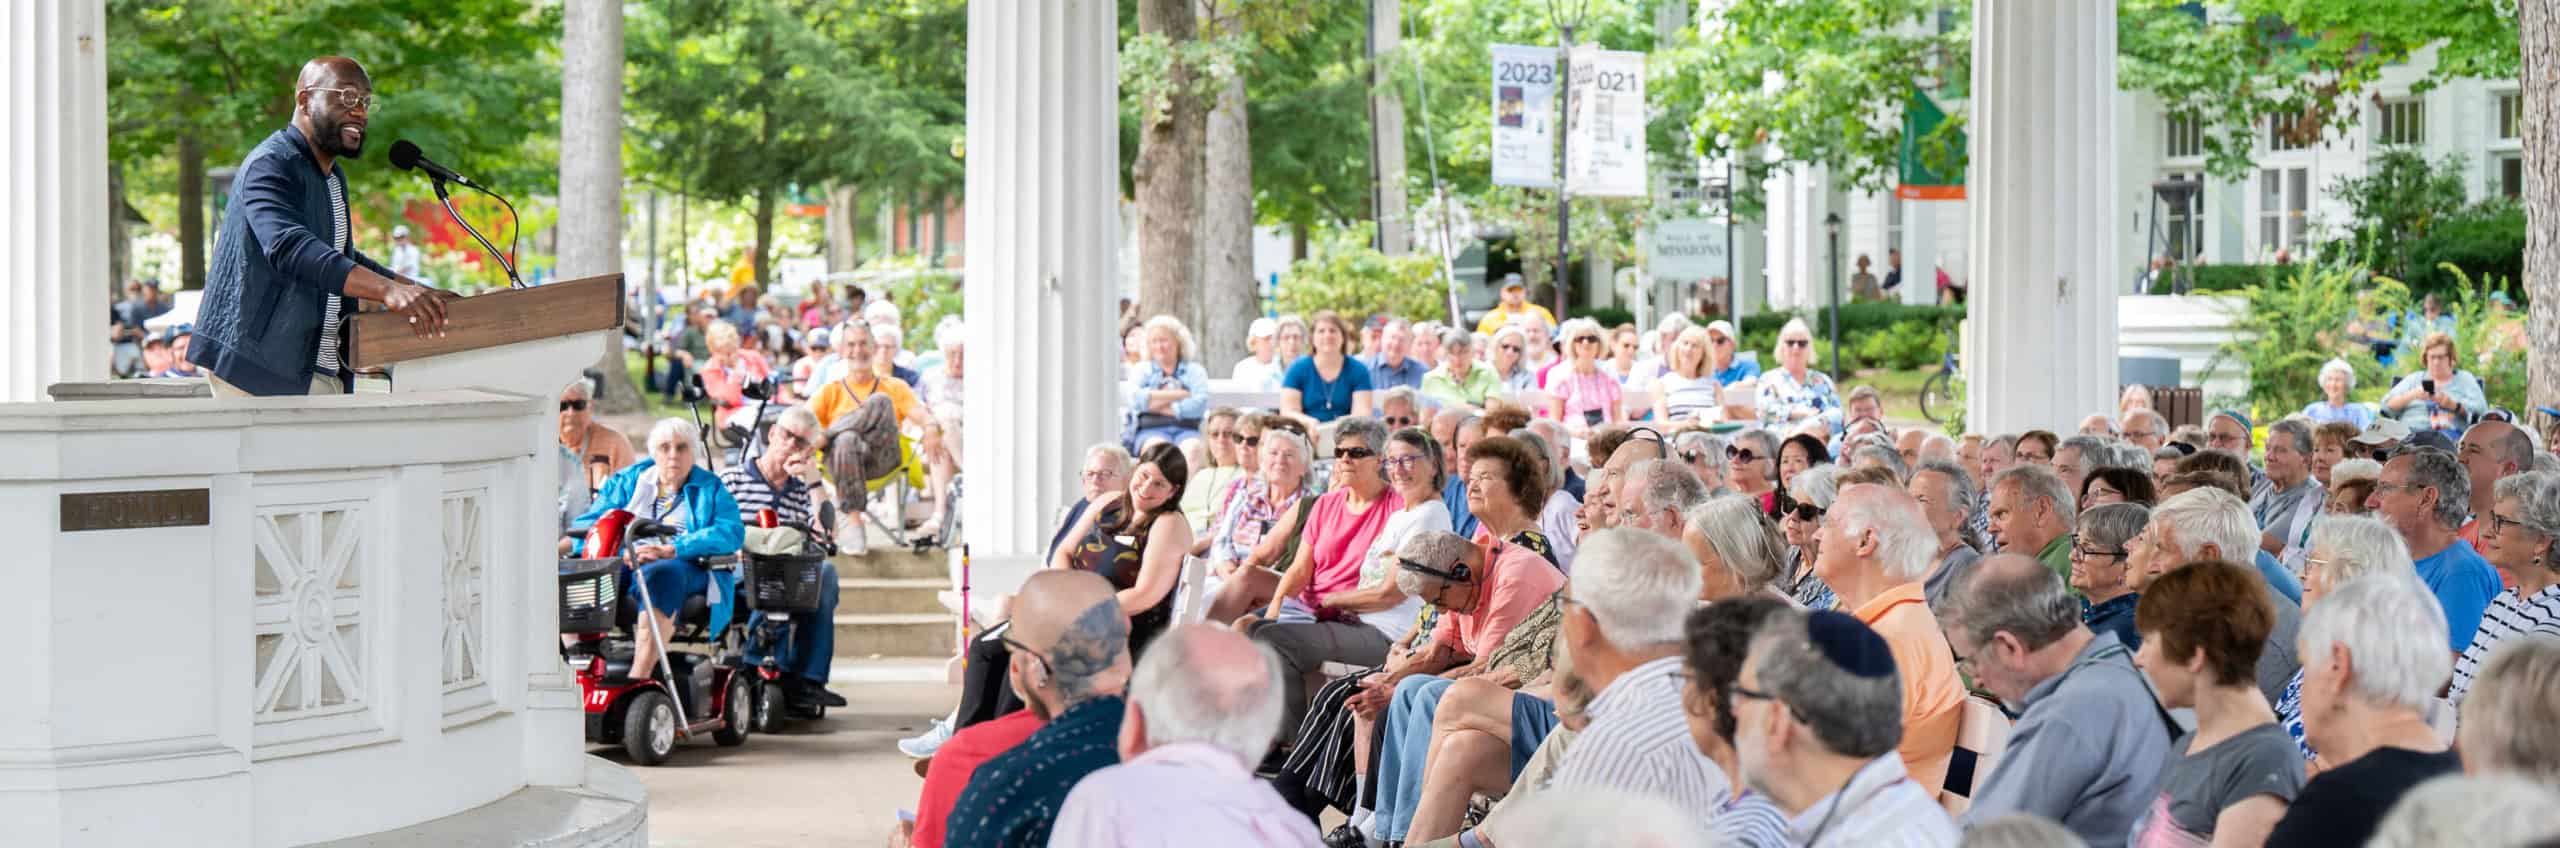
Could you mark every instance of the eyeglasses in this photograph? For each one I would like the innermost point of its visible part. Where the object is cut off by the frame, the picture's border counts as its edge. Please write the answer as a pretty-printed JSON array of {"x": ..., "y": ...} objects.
[
  {"x": 1510, "y": 348},
  {"x": 1798, "y": 342},
  {"x": 1249, "y": 441},
  {"x": 1091, "y": 475},
  {"x": 1591, "y": 339},
  {"x": 2498, "y": 524},
  {"x": 1402, "y": 461},
  {"x": 1220, "y": 435},
  {"x": 1806, "y": 513},
  {"x": 359, "y": 99},
  {"x": 2081, "y": 553},
  {"x": 1353, "y": 453},
  {"x": 796, "y": 437},
  {"x": 1741, "y": 692},
  {"x": 1693, "y": 457},
  {"x": 1027, "y": 650},
  {"x": 568, "y": 405},
  {"x": 1399, "y": 420}
]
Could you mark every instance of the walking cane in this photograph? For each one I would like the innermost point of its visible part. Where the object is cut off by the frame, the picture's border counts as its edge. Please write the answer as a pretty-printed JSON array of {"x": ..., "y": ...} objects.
[{"x": 964, "y": 607}]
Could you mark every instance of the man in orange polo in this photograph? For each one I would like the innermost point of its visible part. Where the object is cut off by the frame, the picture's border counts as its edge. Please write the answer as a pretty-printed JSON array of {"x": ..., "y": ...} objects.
[{"x": 1875, "y": 545}]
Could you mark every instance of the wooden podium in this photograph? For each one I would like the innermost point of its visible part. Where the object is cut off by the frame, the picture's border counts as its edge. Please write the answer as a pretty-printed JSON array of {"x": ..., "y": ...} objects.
[{"x": 528, "y": 341}]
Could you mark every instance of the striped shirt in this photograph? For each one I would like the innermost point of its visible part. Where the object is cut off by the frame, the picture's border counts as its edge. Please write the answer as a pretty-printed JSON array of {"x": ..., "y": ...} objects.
[
  {"x": 1881, "y": 806},
  {"x": 1751, "y": 821},
  {"x": 793, "y": 503},
  {"x": 1639, "y": 741},
  {"x": 327, "y": 360},
  {"x": 2508, "y": 615}
]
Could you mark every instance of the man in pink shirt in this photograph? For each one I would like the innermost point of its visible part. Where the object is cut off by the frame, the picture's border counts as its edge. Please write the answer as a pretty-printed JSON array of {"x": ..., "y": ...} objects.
[{"x": 1202, "y": 708}]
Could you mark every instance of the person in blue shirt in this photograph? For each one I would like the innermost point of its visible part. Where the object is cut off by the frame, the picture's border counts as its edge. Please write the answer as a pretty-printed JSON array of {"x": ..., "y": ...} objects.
[
  {"x": 671, "y": 489},
  {"x": 1389, "y": 366},
  {"x": 1171, "y": 394},
  {"x": 2439, "y": 396},
  {"x": 2337, "y": 378},
  {"x": 2426, "y": 495},
  {"x": 1326, "y": 384}
]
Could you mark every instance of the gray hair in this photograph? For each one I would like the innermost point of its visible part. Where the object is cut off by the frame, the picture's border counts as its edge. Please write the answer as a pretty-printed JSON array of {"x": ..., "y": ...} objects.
[
  {"x": 2021, "y": 830},
  {"x": 2437, "y": 469},
  {"x": 2040, "y": 483},
  {"x": 1968, "y": 495},
  {"x": 1764, "y": 443},
  {"x": 1743, "y": 537},
  {"x": 1188, "y": 698},
  {"x": 1672, "y": 486},
  {"x": 1819, "y": 485},
  {"x": 1638, "y": 586},
  {"x": 1181, "y": 335},
  {"x": 1936, "y": 446},
  {"x": 799, "y": 414},
  {"x": 2378, "y": 618},
  {"x": 672, "y": 428},
  {"x": 1306, "y": 453},
  {"x": 1438, "y": 549},
  {"x": 2158, "y": 421},
  {"x": 2114, "y": 524},
  {"x": 2209, "y": 514},
  {"x": 1454, "y": 337},
  {"x": 2509, "y": 717},
  {"x": 1851, "y": 716},
  {"x": 2359, "y": 545},
  {"x": 2294, "y": 431},
  {"x": 1890, "y": 458},
  {"x": 2466, "y": 809},
  {"x": 2539, "y": 493},
  {"x": 2130, "y": 455},
  {"x": 2340, "y": 366},
  {"x": 1111, "y": 451},
  {"x": 1587, "y": 815},
  {"x": 1710, "y": 447},
  {"x": 2031, "y": 604},
  {"x": 1399, "y": 393},
  {"x": 2094, "y": 452},
  {"x": 578, "y": 388},
  {"x": 1905, "y": 545},
  {"x": 1369, "y": 431},
  {"x": 1552, "y": 449}
]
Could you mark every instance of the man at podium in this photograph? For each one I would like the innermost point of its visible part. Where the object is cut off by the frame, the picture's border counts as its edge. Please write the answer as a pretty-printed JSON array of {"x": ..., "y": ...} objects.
[{"x": 284, "y": 270}]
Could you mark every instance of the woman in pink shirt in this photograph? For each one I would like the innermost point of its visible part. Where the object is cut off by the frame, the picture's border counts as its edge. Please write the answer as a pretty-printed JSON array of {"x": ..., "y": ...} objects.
[
  {"x": 1586, "y": 396},
  {"x": 1341, "y": 524}
]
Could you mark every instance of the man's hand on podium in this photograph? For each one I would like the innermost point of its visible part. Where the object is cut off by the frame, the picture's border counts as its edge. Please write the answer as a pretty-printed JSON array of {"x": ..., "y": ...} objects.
[{"x": 423, "y": 305}]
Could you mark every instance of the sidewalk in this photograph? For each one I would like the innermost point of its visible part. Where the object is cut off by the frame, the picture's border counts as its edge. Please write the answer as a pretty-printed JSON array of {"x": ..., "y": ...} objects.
[{"x": 838, "y": 781}]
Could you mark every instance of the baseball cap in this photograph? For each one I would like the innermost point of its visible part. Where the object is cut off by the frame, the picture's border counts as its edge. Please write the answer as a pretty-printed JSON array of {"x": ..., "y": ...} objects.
[
  {"x": 401, "y": 231},
  {"x": 1262, "y": 328},
  {"x": 1512, "y": 281},
  {"x": 2431, "y": 439},
  {"x": 171, "y": 335},
  {"x": 2383, "y": 431},
  {"x": 1723, "y": 328}
]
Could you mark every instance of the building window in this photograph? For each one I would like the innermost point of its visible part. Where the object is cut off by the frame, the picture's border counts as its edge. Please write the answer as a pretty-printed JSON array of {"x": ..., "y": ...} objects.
[
  {"x": 2186, "y": 136},
  {"x": 1892, "y": 222},
  {"x": 2283, "y": 200},
  {"x": 2183, "y": 223},
  {"x": 2280, "y": 133},
  {"x": 2401, "y": 122},
  {"x": 2511, "y": 176},
  {"x": 2511, "y": 115}
]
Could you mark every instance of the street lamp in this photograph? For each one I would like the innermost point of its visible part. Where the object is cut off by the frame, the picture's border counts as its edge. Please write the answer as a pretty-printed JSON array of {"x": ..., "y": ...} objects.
[{"x": 1831, "y": 226}]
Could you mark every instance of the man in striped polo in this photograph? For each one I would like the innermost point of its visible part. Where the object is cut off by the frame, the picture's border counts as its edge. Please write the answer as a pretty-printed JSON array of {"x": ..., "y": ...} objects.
[{"x": 778, "y": 479}]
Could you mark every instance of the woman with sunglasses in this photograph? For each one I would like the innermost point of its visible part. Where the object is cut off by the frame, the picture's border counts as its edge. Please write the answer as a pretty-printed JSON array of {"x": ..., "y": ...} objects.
[
  {"x": 1338, "y": 528},
  {"x": 1795, "y": 392},
  {"x": 1810, "y": 495},
  {"x": 1328, "y": 383},
  {"x": 1586, "y": 396},
  {"x": 1510, "y": 362},
  {"x": 1753, "y": 458},
  {"x": 1687, "y": 389}
]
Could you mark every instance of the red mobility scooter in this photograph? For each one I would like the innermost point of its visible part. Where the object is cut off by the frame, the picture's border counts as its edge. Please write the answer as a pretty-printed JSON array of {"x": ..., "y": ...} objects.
[{"x": 647, "y": 710}]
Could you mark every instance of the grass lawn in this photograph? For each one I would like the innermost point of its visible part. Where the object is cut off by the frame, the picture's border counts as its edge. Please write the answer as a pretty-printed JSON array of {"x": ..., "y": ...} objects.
[
  {"x": 658, "y": 406},
  {"x": 1901, "y": 390}
]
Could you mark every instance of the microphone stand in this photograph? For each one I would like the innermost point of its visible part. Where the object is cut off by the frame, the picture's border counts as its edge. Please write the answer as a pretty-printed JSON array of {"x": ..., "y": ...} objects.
[{"x": 513, "y": 281}]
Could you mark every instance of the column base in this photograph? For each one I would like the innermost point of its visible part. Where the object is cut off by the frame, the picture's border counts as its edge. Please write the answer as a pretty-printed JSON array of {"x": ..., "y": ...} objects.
[{"x": 609, "y": 810}]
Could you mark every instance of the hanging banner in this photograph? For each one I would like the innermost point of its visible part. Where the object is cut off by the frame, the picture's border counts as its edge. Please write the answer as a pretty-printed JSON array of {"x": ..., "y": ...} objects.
[
  {"x": 1604, "y": 137},
  {"x": 1688, "y": 250},
  {"x": 1921, "y": 117},
  {"x": 1524, "y": 116}
]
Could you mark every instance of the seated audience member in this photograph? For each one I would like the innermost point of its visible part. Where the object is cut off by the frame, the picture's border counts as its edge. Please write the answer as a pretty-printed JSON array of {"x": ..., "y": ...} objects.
[
  {"x": 1463, "y": 435},
  {"x": 670, "y": 488},
  {"x": 1794, "y": 392},
  {"x": 2343, "y": 548},
  {"x": 776, "y": 479},
  {"x": 959, "y": 754},
  {"x": 1704, "y": 453},
  {"x": 2203, "y": 625},
  {"x": 2510, "y": 722},
  {"x": 2020, "y": 830},
  {"x": 2521, "y": 537},
  {"x": 2366, "y": 688},
  {"x": 1255, "y": 534},
  {"x": 1141, "y": 554},
  {"x": 1357, "y": 624},
  {"x": 1171, "y": 394},
  {"x": 1261, "y": 370},
  {"x": 1739, "y": 550},
  {"x": 2146, "y": 429},
  {"x": 2473, "y": 811},
  {"x": 1661, "y": 493},
  {"x": 2117, "y": 484},
  {"x": 2292, "y": 500},
  {"x": 1340, "y": 524},
  {"x": 1400, "y": 407},
  {"x": 2089, "y": 742},
  {"x": 1223, "y": 462},
  {"x": 1874, "y": 547},
  {"x": 1947, "y": 496},
  {"x": 1752, "y": 458},
  {"x": 1071, "y": 664},
  {"x": 2426, "y": 494},
  {"x": 2214, "y": 524},
  {"x": 2329, "y": 446},
  {"x": 1622, "y": 624},
  {"x": 1687, "y": 390},
  {"x": 2098, "y": 424},
  {"x": 1593, "y": 817},
  {"x": 1718, "y": 639},
  {"x": 2102, "y": 570},
  {"x": 865, "y": 415},
  {"x": 2032, "y": 512},
  {"x": 1201, "y": 710},
  {"x": 2078, "y": 457},
  {"x": 2354, "y": 487},
  {"x": 2337, "y": 378},
  {"x": 1327, "y": 383},
  {"x": 1810, "y": 493},
  {"x": 1555, "y": 517},
  {"x": 600, "y": 450},
  {"x": 2440, "y": 396},
  {"x": 1460, "y": 380},
  {"x": 1816, "y": 718}
]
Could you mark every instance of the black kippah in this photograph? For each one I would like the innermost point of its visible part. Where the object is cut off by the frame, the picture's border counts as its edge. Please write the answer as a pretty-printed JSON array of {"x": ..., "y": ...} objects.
[{"x": 1849, "y": 643}]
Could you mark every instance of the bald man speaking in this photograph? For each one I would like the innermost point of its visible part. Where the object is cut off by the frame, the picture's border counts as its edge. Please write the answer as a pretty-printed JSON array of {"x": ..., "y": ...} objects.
[{"x": 285, "y": 271}]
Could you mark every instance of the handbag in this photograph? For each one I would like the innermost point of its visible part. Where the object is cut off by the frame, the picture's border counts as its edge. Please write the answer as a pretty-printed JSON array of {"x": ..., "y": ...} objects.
[{"x": 1152, "y": 421}]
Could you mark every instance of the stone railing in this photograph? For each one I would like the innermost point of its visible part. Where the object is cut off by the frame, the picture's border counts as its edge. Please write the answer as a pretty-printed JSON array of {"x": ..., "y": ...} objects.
[
  {"x": 280, "y": 621},
  {"x": 2190, "y": 328}
]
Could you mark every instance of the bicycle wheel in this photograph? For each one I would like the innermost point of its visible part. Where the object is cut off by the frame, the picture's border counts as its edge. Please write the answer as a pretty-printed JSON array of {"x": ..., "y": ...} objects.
[{"x": 1937, "y": 399}]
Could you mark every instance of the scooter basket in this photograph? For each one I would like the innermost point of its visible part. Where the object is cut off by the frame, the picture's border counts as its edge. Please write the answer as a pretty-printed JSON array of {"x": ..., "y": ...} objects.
[
  {"x": 784, "y": 583},
  {"x": 589, "y": 593}
]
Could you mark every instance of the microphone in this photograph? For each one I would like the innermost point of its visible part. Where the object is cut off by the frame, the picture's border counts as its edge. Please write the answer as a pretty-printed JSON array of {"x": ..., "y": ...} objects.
[{"x": 406, "y": 157}]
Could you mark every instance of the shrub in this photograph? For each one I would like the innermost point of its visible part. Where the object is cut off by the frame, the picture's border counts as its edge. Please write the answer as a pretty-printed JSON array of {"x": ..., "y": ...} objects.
[
  {"x": 1608, "y": 316},
  {"x": 1344, "y": 274},
  {"x": 1872, "y": 335},
  {"x": 2483, "y": 241},
  {"x": 2287, "y": 327},
  {"x": 2219, "y": 278}
]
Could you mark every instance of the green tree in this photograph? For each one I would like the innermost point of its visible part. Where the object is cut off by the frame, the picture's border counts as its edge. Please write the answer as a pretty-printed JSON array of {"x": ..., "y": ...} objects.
[
  {"x": 198, "y": 82},
  {"x": 2397, "y": 201}
]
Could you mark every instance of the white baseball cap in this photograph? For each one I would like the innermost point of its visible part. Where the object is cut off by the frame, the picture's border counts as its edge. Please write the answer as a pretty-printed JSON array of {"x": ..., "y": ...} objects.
[
  {"x": 1262, "y": 328},
  {"x": 1723, "y": 328},
  {"x": 401, "y": 231}
]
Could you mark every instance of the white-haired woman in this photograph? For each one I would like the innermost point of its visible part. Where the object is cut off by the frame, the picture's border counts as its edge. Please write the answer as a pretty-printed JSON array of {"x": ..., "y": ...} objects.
[
  {"x": 1510, "y": 360},
  {"x": 2366, "y": 690},
  {"x": 2521, "y": 537},
  {"x": 1586, "y": 396},
  {"x": 2510, "y": 723},
  {"x": 2344, "y": 547},
  {"x": 1740, "y": 551},
  {"x": 1795, "y": 392},
  {"x": 728, "y": 371},
  {"x": 1255, "y": 532},
  {"x": 2337, "y": 378},
  {"x": 669, "y": 488},
  {"x": 889, "y": 356},
  {"x": 1172, "y": 392},
  {"x": 1811, "y": 493}
]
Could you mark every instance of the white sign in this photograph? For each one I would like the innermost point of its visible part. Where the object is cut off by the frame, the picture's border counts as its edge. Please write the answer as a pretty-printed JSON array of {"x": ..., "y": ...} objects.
[
  {"x": 1688, "y": 249},
  {"x": 1604, "y": 136},
  {"x": 1524, "y": 116}
]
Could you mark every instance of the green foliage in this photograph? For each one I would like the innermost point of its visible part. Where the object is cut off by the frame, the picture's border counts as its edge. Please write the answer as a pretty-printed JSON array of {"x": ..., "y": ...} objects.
[
  {"x": 2490, "y": 335},
  {"x": 2483, "y": 241},
  {"x": 1344, "y": 274},
  {"x": 1902, "y": 346},
  {"x": 2287, "y": 326},
  {"x": 2399, "y": 199},
  {"x": 924, "y": 295},
  {"x": 1844, "y": 70},
  {"x": 1607, "y": 316},
  {"x": 1872, "y": 335},
  {"x": 2218, "y": 278}
]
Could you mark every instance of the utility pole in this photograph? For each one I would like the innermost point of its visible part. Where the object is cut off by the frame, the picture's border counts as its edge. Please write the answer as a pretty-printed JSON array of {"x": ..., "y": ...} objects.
[{"x": 1564, "y": 167}]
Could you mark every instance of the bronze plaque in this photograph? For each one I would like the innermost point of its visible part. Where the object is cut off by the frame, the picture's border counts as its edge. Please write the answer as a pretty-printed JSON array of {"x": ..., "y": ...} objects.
[{"x": 82, "y": 511}]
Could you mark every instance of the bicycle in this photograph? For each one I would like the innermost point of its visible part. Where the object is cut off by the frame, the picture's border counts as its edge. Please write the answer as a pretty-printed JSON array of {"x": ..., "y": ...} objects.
[{"x": 1938, "y": 400}]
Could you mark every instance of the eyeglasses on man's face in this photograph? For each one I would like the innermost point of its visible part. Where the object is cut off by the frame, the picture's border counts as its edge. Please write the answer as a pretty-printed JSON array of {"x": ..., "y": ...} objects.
[{"x": 350, "y": 98}]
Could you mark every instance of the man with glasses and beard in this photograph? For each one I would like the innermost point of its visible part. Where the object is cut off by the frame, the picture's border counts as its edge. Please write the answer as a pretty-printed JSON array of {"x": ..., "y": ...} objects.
[{"x": 285, "y": 266}]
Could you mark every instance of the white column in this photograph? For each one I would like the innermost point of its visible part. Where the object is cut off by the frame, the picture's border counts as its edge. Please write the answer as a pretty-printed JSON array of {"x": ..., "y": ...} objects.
[
  {"x": 2040, "y": 350},
  {"x": 54, "y": 287},
  {"x": 1043, "y": 218}
]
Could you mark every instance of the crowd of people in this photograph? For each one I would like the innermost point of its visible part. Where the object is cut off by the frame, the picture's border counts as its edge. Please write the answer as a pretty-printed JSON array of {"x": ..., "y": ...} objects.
[{"x": 1459, "y": 590}]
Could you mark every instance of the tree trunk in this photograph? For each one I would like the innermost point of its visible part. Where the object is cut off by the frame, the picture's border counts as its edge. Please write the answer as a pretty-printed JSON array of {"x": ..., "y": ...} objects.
[
  {"x": 1232, "y": 297},
  {"x": 762, "y": 261},
  {"x": 844, "y": 220},
  {"x": 1168, "y": 173},
  {"x": 119, "y": 233},
  {"x": 191, "y": 236},
  {"x": 1386, "y": 131},
  {"x": 590, "y": 230},
  {"x": 2541, "y": 47}
]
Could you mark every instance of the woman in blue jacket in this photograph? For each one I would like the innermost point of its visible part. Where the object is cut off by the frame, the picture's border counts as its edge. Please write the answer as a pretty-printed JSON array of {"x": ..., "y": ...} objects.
[{"x": 669, "y": 488}]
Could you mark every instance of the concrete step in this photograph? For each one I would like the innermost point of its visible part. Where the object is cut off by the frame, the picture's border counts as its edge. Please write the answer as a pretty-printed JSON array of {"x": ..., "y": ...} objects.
[
  {"x": 896, "y": 634},
  {"x": 883, "y": 562},
  {"x": 853, "y": 671},
  {"x": 878, "y": 595}
]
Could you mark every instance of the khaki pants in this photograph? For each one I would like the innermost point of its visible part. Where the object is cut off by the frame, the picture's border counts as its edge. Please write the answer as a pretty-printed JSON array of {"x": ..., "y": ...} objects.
[{"x": 321, "y": 384}]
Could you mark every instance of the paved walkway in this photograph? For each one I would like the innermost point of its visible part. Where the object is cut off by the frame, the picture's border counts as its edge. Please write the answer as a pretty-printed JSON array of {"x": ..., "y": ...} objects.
[{"x": 840, "y": 781}]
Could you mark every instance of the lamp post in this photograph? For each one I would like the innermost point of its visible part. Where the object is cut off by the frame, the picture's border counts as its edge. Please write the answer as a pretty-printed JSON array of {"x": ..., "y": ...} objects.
[{"x": 1831, "y": 227}]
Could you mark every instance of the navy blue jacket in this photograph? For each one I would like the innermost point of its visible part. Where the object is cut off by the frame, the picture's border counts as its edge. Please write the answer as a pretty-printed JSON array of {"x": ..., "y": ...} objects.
[{"x": 274, "y": 268}]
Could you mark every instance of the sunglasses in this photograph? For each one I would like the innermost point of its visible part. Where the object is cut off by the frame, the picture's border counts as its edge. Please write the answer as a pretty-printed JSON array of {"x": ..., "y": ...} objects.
[
  {"x": 1798, "y": 343},
  {"x": 1353, "y": 453},
  {"x": 1220, "y": 435},
  {"x": 1399, "y": 420},
  {"x": 1741, "y": 455},
  {"x": 1249, "y": 441},
  {"x": 1591, "y": 339},
  {"x": 1511, "y": 348},
  {"x": 578, "y": 405},
  {"x": 1806, "y": 513},
  {"x": 1693, "y": 457}
]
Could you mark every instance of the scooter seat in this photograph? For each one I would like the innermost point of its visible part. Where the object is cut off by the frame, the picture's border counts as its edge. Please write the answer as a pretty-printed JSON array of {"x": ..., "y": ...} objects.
[{"x": 695, "y": 614}]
